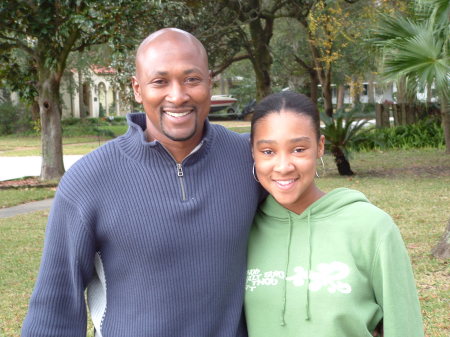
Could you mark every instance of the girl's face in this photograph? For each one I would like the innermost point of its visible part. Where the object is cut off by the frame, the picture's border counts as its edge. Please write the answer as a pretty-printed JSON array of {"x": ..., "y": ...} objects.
[{"x": 285, "y": 149}]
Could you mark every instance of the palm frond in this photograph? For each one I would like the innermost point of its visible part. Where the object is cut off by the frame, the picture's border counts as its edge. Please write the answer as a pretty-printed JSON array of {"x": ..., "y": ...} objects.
[
  {"x": 394, "y": 28},
  {"x": 422, "y": 57},
  {"x": 438, "y": 10}
]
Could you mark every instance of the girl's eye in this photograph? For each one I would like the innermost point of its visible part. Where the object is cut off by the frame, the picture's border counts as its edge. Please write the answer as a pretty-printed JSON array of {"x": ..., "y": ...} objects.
[
  {"x": 267, "y": 152},
  {"x": 299, "y": 150}
]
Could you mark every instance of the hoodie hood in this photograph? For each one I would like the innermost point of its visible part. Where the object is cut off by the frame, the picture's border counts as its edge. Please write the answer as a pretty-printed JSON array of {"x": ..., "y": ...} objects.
[{"x": 326, "y": 206}]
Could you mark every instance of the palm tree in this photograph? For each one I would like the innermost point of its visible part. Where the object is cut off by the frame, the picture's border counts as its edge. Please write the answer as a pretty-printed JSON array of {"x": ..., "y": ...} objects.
[
  {"x": 416, "y": 49},
  {"x": 341, "y": 131}
]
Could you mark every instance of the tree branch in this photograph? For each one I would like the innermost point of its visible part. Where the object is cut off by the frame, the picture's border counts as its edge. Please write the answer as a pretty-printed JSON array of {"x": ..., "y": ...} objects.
[
  {"x": 62, "y": 58},
  {"x": 228, "y": 63},
  {"x": 304, "y": 64},
  {"x": 19, "y": 44}
]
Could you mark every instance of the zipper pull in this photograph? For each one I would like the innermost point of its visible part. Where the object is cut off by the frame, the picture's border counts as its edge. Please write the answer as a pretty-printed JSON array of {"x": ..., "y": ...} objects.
[{"x": 179, "y": 170}]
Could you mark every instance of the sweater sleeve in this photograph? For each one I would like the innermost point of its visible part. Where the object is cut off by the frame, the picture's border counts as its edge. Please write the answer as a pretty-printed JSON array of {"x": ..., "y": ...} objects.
[
  {"x": 57, "y": 306},
  {"x": 395, "y": 288}
]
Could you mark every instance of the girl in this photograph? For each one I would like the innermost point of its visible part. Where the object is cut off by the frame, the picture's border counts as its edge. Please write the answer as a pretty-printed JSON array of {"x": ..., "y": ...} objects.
[{"x": 320, "y": 264}]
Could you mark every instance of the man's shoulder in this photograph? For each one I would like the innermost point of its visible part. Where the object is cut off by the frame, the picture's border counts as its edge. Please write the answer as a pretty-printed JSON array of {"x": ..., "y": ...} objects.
[{"x": 93, "y": 164}]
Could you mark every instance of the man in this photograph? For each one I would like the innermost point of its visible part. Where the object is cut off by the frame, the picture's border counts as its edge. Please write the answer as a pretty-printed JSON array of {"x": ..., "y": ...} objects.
[{"x": 154, "y": 223}]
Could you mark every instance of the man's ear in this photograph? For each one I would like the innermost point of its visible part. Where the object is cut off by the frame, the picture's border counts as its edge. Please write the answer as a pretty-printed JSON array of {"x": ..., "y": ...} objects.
[{"x": 136, "y": 89}]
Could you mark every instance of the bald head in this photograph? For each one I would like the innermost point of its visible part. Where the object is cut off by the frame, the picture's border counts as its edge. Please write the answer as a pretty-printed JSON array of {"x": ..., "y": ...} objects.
[
  {"x": 173, "y": 38},
  {"x": 173, "y": 83}
]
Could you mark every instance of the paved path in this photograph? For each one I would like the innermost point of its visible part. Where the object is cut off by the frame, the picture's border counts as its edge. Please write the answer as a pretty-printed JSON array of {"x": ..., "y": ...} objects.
[
  {"x": 25, "y": 208},
  {"x": 18, "y": 167},
  {"x": 30, "y": 166}
]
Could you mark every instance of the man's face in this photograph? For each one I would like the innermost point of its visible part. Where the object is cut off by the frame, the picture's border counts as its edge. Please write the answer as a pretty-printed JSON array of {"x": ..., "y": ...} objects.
[{"x": 173, "y": 84}]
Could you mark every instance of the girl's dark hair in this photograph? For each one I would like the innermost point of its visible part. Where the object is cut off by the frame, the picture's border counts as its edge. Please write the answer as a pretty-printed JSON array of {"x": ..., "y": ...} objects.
[{"x": 286, "y": 100}]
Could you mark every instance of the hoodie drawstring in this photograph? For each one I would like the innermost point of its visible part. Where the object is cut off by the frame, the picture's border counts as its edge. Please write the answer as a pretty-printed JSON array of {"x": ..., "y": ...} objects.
[
  {"x": 309, "y": 246},
  {"x": 283, "y": 312}
]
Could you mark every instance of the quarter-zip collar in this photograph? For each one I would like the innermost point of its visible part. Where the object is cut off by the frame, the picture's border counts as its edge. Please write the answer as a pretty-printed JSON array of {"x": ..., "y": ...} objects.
[{"x": 135, "y": 145}]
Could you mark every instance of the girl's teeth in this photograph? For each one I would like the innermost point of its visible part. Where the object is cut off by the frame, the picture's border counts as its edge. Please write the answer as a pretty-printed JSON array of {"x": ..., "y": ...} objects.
[{"x": 284, "y": 182}]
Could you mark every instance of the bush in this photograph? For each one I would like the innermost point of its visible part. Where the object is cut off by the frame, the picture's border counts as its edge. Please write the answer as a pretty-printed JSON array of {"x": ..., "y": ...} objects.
[
  {"x": 14, "y": 119},
  {"x": 425, "y": 133},
  {"x": 70, "y": 121},
  {"x": 86, "y": 129}
]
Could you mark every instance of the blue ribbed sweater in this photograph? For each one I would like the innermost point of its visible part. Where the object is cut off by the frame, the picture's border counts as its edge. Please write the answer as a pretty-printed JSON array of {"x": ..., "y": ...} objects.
[{"x": 161, "y": 247}]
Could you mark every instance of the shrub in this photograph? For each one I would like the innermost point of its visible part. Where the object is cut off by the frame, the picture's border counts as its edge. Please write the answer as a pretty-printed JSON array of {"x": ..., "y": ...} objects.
[
  {"x": 14, "y": 119},
  {"x": 425, "y": 133},
  {"x": 86, "y": 129},
  {"x": 70, "y": 121}
]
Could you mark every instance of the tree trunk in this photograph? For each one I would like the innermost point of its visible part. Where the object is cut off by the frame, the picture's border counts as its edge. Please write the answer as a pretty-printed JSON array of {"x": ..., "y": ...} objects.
[
  {"x": 81, "y": 106},
  {"x": 342, "y": 164},
  {"x": 327, "y": 97},
  {"x": 355, "y": 91},
  {"x": 313, "y": 79},
  {"x": 263, "y": 82},
  {"x": 401, "y": 102},
  {"x": 313, "y": 86},
  {"x": 324, "y": 75},
  {"x": 261, "y": 58},
  {"x": 370, "y": 91},
  {"x": 340, "y": 97},
  {"x": 52, "y": 167},
  {"x": 396, "y": 114},
  {"x": 445, "y": 121},
  {"x": 382, "y": 115},
  {"x": 378, "y": 115},
  {"x": 442, "y": 249},
  {"x": 386, "y": 115},
  {"x": 411, "y": 114}
]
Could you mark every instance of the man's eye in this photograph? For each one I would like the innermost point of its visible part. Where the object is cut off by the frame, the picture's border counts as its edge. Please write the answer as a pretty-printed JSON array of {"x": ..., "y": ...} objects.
[
  {"x": 158, "y": 82},
  {"x": 299, "y": 149},
  {"x": 192, "y": 80},
  {"x": 267, "y": 152}
]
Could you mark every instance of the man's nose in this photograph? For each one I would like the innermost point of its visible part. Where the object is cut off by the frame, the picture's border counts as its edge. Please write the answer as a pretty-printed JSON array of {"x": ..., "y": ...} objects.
[{"x": 177, "y": 94}]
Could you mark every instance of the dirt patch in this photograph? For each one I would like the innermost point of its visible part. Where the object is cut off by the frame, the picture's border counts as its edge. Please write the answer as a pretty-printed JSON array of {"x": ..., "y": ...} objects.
[
  {"x": 418, "y": 171},
  {"x": 26, "y": 183}
]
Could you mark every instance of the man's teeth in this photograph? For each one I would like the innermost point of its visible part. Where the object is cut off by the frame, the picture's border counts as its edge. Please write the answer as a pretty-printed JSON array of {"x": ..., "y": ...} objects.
[
  {"x": 177, "y": 114},
  {"x": 285, "y": 182}
]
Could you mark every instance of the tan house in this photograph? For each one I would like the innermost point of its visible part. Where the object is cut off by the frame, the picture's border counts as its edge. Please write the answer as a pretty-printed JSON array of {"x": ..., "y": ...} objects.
[{"x": 100, "y": 96}]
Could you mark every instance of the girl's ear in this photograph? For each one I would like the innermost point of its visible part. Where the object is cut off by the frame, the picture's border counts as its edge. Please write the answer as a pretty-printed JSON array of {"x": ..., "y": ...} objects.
[{"x": 321, "y": 145}]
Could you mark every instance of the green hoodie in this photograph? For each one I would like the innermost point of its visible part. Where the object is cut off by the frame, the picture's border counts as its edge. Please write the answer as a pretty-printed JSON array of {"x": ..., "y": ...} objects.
[{"x": 335, "y": 270}]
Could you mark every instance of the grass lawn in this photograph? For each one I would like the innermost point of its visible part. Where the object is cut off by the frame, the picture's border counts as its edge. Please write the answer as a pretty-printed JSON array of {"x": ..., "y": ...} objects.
[
  {"x": 413, "y": 186},
  {"x": 11, "y": 197},
  {"x": 13, "y": 145}
]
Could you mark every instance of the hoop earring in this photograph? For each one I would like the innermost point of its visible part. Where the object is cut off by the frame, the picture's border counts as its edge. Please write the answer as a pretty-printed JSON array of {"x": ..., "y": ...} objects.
[
  {"x": 323, "y": 167},
  {"x": 254, "y": 173}
]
